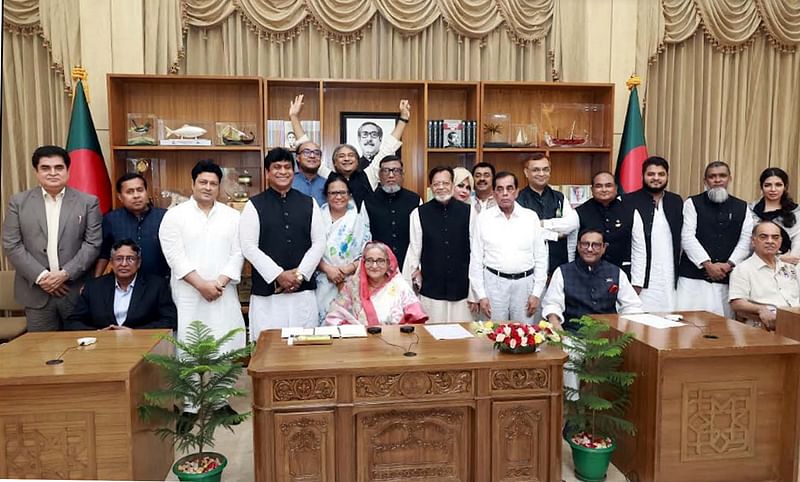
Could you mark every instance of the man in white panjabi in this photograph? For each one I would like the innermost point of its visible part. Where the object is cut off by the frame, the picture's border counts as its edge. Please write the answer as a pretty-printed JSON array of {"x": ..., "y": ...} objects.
[
  {"x": 283, "y": 237},
  {"x": 200, "y": 240},
  {"x": 656, "y": 237},
  {"x": 508, "y": 256},
  {"x": 715, "y": 238}
]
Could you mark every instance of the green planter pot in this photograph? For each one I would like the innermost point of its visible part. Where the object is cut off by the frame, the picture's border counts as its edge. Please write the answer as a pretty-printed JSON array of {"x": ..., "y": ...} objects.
[
  {"x": 211, "y": 476},
  {"x": 591, "y": 465}
]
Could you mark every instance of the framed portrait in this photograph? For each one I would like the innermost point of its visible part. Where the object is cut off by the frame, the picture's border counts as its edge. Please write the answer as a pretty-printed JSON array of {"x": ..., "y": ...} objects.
[{"x": 365, "y": 130}]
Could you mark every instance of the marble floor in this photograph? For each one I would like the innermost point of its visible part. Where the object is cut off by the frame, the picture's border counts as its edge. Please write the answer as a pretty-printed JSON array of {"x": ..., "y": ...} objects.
[{"x": 238, "y": 448}]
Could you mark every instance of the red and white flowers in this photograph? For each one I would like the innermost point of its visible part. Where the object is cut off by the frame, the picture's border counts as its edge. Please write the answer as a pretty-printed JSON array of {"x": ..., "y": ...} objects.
[{"x": 516, "y": 335}]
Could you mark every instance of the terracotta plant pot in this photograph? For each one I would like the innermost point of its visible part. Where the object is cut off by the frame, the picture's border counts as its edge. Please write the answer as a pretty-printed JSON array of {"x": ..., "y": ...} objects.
[{"x": 214, "y": 475}]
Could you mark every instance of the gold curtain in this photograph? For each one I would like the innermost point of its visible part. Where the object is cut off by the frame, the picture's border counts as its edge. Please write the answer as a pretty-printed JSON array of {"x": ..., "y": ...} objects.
[{"x": 723, "y": 84}]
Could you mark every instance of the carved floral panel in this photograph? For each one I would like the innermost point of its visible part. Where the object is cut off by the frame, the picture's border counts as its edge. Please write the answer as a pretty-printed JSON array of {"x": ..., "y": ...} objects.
[
  {"x": 413, "y": 384},
  {"x": 304, "y": 446},
  {"x": 520, "y": 379},
  {"x": 303, "y": 389},
  {"x": 519, "y": 434}
]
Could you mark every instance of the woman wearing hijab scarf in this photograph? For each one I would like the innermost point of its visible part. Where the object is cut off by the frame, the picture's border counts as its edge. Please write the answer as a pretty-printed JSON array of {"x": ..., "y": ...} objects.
[
  {"x": 463, "y": 184},
  {"x": 377, "y": 294}
]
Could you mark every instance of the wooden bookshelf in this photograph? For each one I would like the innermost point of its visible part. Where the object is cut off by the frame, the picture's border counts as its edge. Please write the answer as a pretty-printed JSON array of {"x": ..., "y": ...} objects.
[{"x": 253, "y": 99}]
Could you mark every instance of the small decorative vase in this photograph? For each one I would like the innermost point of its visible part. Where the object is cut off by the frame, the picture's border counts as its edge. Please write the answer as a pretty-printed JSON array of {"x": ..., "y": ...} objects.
[{"x": 517, "y": 349}]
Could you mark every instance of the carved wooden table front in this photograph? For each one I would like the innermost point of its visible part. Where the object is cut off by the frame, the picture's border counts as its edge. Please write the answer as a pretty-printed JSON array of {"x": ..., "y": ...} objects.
[
  {"x": 358, "y": 410},
  {"x": 78, "y": 419},
  {"x": 714, "y": 400}
]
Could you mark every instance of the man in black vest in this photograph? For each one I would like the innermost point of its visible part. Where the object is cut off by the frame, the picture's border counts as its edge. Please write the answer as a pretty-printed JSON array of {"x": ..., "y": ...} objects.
[
  {"x": 389, "y": 208},
  {"x": 283, "y": 237},
  {"x": 715, "y": 237},
  {"x": 589, "y": 285},
  {"x": 438, "y": 251},
  {"x": 656, "y": 237},
  {"x": 557, "y": 216},
  {"x": 605, "y": 211},
  {"x": 362, "y": 174}
]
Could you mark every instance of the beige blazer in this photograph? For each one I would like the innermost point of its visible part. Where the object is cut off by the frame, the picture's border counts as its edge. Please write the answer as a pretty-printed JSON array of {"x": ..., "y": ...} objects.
[{"x": 25, "y": 240}]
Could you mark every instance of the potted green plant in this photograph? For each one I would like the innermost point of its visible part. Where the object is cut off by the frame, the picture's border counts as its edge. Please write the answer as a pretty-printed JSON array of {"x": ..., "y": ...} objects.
[
  {"x": 202, "y": 376},
  {"x": 594, "y": 411}
]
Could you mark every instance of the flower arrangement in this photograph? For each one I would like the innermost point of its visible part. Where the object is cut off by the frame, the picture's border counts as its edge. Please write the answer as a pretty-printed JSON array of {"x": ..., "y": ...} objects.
[{"x": 515, "y": 337}]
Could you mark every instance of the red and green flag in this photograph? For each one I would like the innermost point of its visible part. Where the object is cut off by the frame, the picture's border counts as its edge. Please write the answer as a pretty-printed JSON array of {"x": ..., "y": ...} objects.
[
  {"x": 632, "y": 149},
  {"x": 87, "y": 171}
]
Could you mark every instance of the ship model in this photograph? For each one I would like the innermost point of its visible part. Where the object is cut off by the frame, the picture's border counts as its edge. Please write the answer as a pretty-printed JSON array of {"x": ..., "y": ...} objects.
[{"x": 571, "y": 141}]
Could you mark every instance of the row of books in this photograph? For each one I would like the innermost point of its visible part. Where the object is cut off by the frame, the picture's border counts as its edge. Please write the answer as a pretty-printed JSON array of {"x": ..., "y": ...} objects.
[
  {"x": 452, "y": 133},
  {"x": 280, "y": 133}
]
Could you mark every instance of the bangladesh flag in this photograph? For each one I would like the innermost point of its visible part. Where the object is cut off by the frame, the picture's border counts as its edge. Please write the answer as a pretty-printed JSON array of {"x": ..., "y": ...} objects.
[
  {"x": 632, "y": 149},
  {"x": 87, "y": 171}
]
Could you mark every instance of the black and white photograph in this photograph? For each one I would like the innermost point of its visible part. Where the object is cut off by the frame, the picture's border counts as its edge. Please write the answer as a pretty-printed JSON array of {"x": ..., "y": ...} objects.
[{"x": 365, "y": 131}]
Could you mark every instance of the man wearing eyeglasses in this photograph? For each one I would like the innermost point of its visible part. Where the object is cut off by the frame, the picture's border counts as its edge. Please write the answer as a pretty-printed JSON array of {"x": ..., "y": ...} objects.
[
  {"x": 389, "y": 208},
  {"x": 306, "y": 177},
  {"x": 763, "y": 282},
  {"x": 51, "y": 235},
  {"x": 437, "y": 261},
  {"x": 362, "y": 175},
  {"x": 589, "y": 285},
  {"x": 125, "y": 298}
]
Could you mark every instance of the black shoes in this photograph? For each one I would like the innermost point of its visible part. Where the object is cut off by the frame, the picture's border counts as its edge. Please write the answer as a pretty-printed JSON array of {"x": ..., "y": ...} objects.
[
  {"x": 229, "y": 411},
  {"x": 185, "y": 423}
]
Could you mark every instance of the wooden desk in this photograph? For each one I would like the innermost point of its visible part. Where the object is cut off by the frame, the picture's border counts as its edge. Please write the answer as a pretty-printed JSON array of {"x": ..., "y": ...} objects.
[
  {"x": 78, "y": 420},
  {"x": 787, "y": 323},
  {"x": 710, "y": 409},
  {"x": 358, "y": 410}
]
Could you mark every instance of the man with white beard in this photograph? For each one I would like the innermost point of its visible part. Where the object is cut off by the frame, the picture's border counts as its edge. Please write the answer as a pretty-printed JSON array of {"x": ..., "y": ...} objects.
[
  {"x": 715, "y": 238},
  {"x": 438, "y": 251}
]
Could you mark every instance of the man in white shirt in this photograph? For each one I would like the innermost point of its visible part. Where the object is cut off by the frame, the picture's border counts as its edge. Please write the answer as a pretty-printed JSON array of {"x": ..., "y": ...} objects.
[
  {"x": 715, "y": 237},
  {"x": 200, "y": 239},
  {"x": 283, "y": 237},
  {"x": 51, "y": 236},
  {"x": 508, "y": 256},
  {"x": 589, "y": 285},
  {"x": 483, "y": 173},
  {"x": 763, "y": 282}
]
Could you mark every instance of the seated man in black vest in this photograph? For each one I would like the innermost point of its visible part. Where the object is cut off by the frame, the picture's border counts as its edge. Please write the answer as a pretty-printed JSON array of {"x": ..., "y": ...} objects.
[
  {"x": 125, "y": 298},
  {"x": 389, "y": 208},
  {"x": 438, "y": 252},
  {"x": 282, "y": 235},
  {"x": 605, "y": 211},
  {"x": 715, "y": 237},
  {"x": 589, "y": 285}
]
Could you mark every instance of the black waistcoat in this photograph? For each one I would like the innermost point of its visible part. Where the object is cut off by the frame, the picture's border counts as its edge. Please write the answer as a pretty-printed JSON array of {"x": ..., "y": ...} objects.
[
  {"x": 672, "y": 204},
  {"x": 548, "y": 205},
  {"x": 388, "y": 219},
  {"x": 285, "y": 234},
  {"x": 589, "y": 291},
  {"x": 445, "y": 250},
  {"x": 615, "y": 221},
  {"x": 718, "y": 229},
  {"x": 360, "y": 187}
]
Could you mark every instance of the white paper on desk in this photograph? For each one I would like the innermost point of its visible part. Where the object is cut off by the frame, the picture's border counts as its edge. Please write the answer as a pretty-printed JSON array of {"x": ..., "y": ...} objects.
[
  {"x": 296, "y": 331},
  {"x": 448, "y": 332},
  {"x": 653, "y": 320},
  {"x": 333, "y": 331},
  {"x": 353, "y": 331}
]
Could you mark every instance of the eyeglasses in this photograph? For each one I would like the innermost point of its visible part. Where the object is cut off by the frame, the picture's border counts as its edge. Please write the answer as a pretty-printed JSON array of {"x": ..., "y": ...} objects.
[
  {"x": 590, "y": 244},
  {"x": 368, "y": 135},
  {"x": 337, "y": 193},
  {"x": 391, "y": 170},
  {"x": 311, "y": 152},
  {"x": 376, "y": 262},
  {"x": 125, "y": 259},
  {"x": 442, "y": 184}
]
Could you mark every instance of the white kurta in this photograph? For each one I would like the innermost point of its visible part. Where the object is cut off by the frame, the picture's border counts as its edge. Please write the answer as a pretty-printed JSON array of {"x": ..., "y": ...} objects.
[
  {"x": 283, "y": 309},
  {"x": 209, "y": 245},
  {"x": 695, "y": 294},
  {"x": 660, "y": 292}
]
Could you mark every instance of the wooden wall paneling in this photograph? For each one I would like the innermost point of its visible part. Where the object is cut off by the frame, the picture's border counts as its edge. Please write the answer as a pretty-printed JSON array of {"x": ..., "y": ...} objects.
[
  {"x": 790, "y": 425},
  {"x": 787, "y": 323},
  {"x": 519, "y": 433},
  {"x": 280, "y": 94}
]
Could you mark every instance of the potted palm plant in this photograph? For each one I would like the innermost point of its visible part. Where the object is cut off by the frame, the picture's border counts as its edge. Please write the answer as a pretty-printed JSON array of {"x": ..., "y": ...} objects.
[
  {"x": 202, "y": 376},
  {"x": 594, "y": 411}
]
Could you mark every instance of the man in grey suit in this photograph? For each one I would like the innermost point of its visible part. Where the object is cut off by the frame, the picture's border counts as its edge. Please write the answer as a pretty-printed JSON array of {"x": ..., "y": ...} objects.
[{"x": 52, "y": 236}]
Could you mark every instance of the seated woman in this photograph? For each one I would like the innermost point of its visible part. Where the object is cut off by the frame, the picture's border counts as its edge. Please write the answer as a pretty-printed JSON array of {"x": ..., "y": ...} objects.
[
  {"x": 347, "y": 233},
  {"x": 377, "y": 294},
  {"x": 776, "y": 205}
]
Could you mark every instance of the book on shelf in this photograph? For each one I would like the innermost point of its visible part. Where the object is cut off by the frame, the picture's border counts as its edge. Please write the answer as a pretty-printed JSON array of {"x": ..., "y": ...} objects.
[
  {"x": 452, "y": 133},
  {"x": 281, "y": 134}
]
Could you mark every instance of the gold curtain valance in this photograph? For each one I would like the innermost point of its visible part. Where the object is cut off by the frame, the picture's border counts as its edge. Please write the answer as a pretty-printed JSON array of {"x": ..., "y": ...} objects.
[
  {"x": 345, "y": 20},
  {"x": 731, "y": 25}
]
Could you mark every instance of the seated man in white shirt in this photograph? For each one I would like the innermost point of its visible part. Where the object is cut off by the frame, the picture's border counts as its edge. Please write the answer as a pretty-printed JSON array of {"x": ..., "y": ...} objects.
[
  {"x": 763, "y": 282},
  {"x": 588, "y": 285},
  {"x": 508, "y": 256}
]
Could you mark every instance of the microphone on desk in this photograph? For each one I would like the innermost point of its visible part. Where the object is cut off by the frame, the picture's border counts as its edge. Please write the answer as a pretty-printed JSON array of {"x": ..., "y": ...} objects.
[{"x": 86, "y": 341}]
